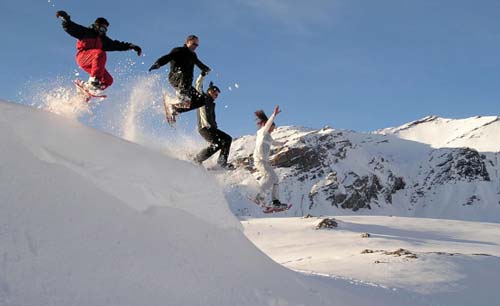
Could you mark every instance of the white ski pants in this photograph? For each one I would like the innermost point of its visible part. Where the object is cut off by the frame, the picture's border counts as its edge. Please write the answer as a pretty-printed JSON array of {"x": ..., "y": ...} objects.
[{"x": 269, "y": 178}]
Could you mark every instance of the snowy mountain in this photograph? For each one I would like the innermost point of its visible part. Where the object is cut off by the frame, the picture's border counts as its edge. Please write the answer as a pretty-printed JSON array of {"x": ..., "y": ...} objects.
[
  {"x": 330, "y": 171},
  {"x": 480, "y": 133},
  {"x": 90, "y": 219}
]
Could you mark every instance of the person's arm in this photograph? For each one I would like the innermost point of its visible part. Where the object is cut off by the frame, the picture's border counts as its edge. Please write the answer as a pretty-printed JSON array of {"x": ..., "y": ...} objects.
[
  {"x": 70, "y": 27},
  {"x": 115, "y": 45},
  {"x": 199, "y": 83},
  {"x": 165, "y": 59},
  {"x": 270, "y": 121},
  {"x": 204, "y": 68}
]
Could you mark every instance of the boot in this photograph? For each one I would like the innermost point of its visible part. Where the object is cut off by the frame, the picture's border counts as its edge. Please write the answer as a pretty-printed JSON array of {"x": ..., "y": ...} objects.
[
  {"x": 94, "y": 86},
  {"x": 278, "y": 205}
]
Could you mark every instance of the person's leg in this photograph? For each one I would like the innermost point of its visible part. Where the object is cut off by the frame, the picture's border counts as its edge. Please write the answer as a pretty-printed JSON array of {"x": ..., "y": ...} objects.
[
  {"x": 225, "y": 142},
  {"x": 269, "y": 179},
  {"x": 93, "y": 62},
  {"x": 210, "y": 135},
  {"x": 84, "y": 60},
  {"x": 107, "y": 79},
  {"x": 99, "y": 66},
  {"x": 182, "y": 87},
  {"x": 275, "y": 193},
  {"x": 197, "y": 100}
]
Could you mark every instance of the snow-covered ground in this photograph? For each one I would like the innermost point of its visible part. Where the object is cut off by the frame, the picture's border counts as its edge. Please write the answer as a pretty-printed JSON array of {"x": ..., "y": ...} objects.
[
  {"x": 445, "y": 262},
  {"x": 90, "y": 219}
]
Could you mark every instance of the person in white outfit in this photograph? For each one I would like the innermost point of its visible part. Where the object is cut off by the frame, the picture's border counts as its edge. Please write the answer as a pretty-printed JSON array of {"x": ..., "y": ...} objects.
[{"x": 261, "y": 154}]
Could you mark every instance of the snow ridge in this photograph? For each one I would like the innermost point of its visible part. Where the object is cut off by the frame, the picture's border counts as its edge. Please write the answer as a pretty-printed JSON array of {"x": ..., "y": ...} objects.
[{"x": 477, "y": 132}]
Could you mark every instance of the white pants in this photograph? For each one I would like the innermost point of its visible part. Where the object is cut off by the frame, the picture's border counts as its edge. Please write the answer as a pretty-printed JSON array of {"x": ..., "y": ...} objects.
[{"x": 269, "y": 178}]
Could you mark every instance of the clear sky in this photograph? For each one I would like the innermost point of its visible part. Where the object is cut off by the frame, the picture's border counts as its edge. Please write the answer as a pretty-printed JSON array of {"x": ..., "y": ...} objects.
[{"x": 350, "y": 64}]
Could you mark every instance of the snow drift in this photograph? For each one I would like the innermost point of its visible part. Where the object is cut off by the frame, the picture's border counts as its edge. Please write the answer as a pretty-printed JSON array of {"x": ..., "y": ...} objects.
[{"x": 90, "y": 219}]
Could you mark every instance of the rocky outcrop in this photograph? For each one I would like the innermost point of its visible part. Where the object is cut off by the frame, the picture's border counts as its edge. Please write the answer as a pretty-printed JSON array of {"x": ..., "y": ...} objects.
[
  {"x": 453, "y": 165},
  {"x": 358, "y": 193}
]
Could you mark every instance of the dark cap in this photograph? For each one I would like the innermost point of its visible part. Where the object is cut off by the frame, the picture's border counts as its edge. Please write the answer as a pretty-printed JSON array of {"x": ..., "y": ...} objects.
[
  {"x": 211, "y": 86},
  {"x": 101, "y": 21}
]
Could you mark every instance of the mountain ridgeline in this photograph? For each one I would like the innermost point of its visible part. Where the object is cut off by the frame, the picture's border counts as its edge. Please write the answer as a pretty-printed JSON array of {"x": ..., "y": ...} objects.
[{"x": 330, "y": 171}]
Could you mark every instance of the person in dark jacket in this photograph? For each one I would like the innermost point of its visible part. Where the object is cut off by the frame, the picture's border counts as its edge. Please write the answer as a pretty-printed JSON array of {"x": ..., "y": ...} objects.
[
  {"x": 207, "y": 127},
  {"x": 182, "y": 61},
  {"x": 92, "y": 45}
]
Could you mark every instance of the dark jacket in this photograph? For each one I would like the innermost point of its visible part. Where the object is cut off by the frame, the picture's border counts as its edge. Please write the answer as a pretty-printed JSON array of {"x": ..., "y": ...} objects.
[
  {"x": 182, "y": 61},
  {"x": 88, "y": 38}
]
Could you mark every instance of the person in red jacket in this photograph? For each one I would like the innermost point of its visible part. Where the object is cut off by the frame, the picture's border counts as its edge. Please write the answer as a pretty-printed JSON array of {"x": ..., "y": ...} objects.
[{"x": 92, "y": 45}]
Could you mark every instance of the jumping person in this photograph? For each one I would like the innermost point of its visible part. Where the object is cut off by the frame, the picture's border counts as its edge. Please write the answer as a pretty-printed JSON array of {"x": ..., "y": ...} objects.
[
  {"x": 92, "y": 45},
  {"x": 207, "y": 127},
  {"x": 261, "y": 157},
  {"x": 182, "y": 61}
]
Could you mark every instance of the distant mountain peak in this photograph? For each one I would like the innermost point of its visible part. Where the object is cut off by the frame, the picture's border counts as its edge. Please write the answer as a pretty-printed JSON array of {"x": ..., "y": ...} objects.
[{"x": 478, "y": 132}]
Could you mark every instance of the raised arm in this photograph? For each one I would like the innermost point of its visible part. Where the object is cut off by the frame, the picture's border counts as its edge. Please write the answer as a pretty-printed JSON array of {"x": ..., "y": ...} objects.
[
  {"x": 270, "y": 121},
  {"x": 70, "y": 27},
  {"x": 199, "y": 83}
]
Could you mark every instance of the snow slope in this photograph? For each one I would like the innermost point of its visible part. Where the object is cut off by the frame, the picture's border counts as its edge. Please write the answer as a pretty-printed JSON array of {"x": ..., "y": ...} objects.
[
  {"x": 90, "y": 219},
  {"x": 480, "y": 132},
  {"x": 447, "y": 262}
]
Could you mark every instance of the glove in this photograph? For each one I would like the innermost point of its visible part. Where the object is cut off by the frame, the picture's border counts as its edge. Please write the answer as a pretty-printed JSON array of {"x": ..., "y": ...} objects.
[
  {"x": 63, "y": 15},
  {"x": 154, "y": 66},
  {"x": 205, "y": 72},
  {"x": 136, "y": 49}
]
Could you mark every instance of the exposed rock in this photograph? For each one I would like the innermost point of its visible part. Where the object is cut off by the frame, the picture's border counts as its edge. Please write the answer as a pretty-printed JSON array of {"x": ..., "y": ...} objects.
[
  {"x": 303, "y": 158},
  {"x": 394, "y": 184},
  {"x": 470, "y": 201},
  {"x": 359, "y": 193},
  {"x": 398, "y": 253},
  {"x": 460, "y": 164},
  {"x": 365, "y": 235},
  {"x": 401, "y": 252},
  {"x": 327, "y": 223}
]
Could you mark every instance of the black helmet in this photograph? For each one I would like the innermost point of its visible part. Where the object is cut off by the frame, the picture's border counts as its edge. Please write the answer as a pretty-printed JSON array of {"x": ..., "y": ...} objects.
[{"x": 101, "y": 21}]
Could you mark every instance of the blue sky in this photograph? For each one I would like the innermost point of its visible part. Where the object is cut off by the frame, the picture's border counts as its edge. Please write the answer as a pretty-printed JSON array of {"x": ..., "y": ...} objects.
[{"x": 349, "y": 64}]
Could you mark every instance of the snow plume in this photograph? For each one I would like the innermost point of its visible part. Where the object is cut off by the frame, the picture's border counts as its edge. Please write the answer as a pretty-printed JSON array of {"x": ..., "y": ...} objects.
[
  {"x": 133, "y": 110},
  {"x": 56, "y": 96},
  {"x": 143, "y": 120},
  {"x": 142, "y": 98}
]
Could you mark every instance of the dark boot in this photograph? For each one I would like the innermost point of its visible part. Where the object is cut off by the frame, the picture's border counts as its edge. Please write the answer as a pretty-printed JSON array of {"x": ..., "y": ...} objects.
[{"x": 278, "y": 205}]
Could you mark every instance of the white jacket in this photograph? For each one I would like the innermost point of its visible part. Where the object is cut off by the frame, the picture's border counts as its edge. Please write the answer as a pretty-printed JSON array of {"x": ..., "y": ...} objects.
[{"x": 264, "y": 142}]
